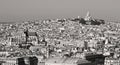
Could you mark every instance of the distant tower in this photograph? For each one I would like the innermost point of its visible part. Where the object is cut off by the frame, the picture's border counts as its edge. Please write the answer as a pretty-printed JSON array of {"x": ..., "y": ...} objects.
[
  {"x": 10, "y": 40},
  {"x": 88, "y": 17},
  {"x": 106, "y": 41},
  {"x": 48, "y": 52},
  {"x": 44, "y": 42},
  {"x": 85, "y": 44},
  {"x": 78, "y": 17},
  {"x": 26, "y": 33}
]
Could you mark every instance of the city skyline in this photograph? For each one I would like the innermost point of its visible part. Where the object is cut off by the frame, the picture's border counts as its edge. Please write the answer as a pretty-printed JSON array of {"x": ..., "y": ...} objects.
[{"x": 46, "y": 9}]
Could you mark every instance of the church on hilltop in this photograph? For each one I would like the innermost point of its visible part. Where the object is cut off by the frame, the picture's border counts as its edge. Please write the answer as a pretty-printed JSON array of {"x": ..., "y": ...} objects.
[{"x": 89, "y": 20}]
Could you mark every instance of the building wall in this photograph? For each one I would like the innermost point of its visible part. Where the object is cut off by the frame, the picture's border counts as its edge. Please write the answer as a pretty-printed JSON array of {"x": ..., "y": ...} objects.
[
  {"x": 59, "y": 64},
  {"x": 33, "y": 40},
  {"x": 41, "y": 63},
  {"x": 3, "y": 53},
  {"x": 112, "y": 62},
  {"x": 9, "y": 61},
  {"x": 9, "y": 64}
]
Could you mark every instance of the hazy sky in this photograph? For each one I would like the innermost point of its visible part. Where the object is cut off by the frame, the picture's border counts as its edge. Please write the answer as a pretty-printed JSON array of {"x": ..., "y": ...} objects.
[{"x": 16, "y": 10}]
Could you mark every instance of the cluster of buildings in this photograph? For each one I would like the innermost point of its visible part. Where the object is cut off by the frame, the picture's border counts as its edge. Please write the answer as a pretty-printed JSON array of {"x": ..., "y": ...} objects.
[{"x": 77, "y": 41}]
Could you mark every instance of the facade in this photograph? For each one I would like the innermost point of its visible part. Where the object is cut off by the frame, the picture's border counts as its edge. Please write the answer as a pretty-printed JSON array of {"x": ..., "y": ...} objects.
[
  {"x": 4, "y": 53},
  {"x": 34, "y": 48},
  {"x": 15, "y": 40},
  {"x": 32, "y": 38},
  {"x": 9, "y": 64},
  {"x": 9, "y": 61},
  {"x": 112, "y": 61},
  {"x": 67, "y": 61},
  {"x": 20, "y": 61}
]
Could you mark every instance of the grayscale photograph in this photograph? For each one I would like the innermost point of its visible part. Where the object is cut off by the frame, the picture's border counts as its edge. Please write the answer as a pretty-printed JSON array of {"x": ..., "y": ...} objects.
[{"x": 59, "y": 32}]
